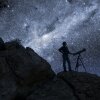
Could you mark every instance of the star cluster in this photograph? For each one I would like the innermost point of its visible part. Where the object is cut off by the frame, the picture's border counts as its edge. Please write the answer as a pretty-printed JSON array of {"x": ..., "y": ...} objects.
[{"x": 44, "y": 24}]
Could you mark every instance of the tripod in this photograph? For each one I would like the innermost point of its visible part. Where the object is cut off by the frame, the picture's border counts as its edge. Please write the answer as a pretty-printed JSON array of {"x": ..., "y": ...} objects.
[{"x": 79, "y": 63}]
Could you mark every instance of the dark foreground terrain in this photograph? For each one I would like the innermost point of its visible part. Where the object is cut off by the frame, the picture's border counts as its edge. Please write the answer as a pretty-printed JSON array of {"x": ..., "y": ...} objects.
[{"x": 24, "y": 75}]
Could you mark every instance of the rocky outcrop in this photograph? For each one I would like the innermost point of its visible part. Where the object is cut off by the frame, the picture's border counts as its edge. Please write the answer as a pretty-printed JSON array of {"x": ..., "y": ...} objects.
[
  {"x": 24, "y": 75},
  {"x": 85, "y": 86},
  {"x": 69, "y": 86},
  {"x": 55, "y": 89},
  {"x": 2, "y": 45},
  {"x": 20, "y": 67}
]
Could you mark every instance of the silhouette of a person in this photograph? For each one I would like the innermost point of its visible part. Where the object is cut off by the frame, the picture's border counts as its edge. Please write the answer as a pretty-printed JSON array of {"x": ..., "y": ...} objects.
[{"x": 65, "y": 54}]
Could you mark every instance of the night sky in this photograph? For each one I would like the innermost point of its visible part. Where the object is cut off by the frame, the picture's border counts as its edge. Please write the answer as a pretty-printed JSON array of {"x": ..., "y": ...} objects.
[{"x": 44, "y": 24}]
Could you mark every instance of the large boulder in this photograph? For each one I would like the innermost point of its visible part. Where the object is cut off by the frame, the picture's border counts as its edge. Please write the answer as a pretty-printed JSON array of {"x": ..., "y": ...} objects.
[
  {"x": 85, "y": 86},
  {"x": 2, "y": 45},
  {"x": 20, "y": 68},
  {"x": 25, "y": 64},
  {"x": 55, "y": 89}
]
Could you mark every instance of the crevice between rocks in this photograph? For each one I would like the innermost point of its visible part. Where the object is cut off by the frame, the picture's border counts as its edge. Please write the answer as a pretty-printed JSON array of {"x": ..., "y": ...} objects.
[{"x": 72, "y": 87}]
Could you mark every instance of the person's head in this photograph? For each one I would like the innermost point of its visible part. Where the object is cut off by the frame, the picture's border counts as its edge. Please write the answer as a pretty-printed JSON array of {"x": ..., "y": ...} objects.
[{"x": 64, "y": 43}]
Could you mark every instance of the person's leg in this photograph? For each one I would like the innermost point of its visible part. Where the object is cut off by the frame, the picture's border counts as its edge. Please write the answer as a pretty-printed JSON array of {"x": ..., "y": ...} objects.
[
  {"x": 64, "y": 64},
  {"x": 69, "y": 64}
]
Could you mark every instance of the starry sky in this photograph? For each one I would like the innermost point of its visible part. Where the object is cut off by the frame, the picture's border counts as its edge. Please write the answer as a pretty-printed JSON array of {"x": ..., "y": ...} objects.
[{"x": 44, "y": 24}]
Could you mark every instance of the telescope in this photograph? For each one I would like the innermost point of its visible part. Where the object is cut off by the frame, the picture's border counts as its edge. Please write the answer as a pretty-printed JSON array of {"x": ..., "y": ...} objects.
[
  {"x": 79, "y": 52},
  {"x": 79, "y": 59}
]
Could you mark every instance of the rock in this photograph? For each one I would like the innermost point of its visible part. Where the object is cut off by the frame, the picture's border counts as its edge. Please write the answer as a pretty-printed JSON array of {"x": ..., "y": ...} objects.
[
  {"x": 2, "y": 45},
  {"x": 20, "y": 68},
  {"x": 27, "y": 76},
  {"x": 26, "y": 64},
  {"x": 52, "y": 90},
  {"x": 86, "y": 86}
]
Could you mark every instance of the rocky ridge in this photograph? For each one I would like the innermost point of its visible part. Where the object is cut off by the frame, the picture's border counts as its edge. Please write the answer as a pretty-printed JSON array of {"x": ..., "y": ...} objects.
[{"x": 24, "y": 75}]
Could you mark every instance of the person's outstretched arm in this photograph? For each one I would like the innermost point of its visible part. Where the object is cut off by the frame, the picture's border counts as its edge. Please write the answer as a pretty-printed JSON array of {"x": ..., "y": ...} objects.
[{"x": 70, "y": 52}]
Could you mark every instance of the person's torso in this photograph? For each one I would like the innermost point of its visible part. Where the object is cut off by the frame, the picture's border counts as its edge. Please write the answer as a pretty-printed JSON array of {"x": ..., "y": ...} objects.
[{"x": 65, "y": 50}]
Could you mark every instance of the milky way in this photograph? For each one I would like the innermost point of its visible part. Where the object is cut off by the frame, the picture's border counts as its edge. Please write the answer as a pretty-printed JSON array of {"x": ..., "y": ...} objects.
[{"x": 44, "y": 24}]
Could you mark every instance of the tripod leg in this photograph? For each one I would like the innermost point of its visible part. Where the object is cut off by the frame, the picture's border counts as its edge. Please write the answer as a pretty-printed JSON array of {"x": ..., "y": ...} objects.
[
  {"x": 76, "y": 69},
  {"x": 77, "y": 63},
  {"x": 83, "y": 64}
]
